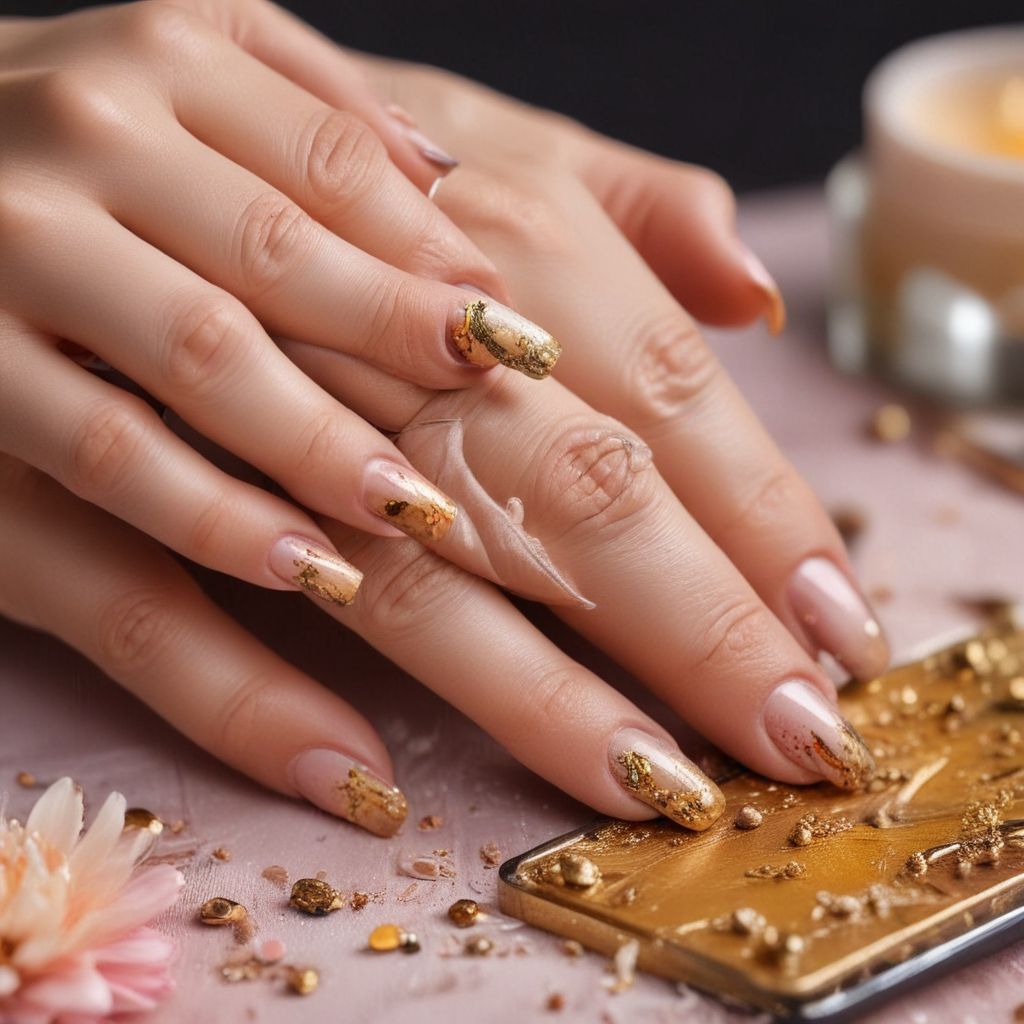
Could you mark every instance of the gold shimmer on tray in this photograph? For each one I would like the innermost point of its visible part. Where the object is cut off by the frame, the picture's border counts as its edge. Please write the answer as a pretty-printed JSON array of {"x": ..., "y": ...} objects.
[{"x": 830, "y": 885}]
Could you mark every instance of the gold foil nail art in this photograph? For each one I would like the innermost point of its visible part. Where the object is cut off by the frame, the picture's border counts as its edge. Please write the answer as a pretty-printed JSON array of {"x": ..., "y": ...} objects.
[
  {"x": 407, "y": 501},
  {"x": 664, "y": 779},
  {"x": 492, "y": 331},
  {"x": 372, "y": 803},
  {"x": 336, "y": 582}
]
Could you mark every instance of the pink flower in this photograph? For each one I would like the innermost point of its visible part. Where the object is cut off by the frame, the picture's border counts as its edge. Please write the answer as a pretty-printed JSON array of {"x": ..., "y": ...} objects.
[{"x": 73, "y": 946}]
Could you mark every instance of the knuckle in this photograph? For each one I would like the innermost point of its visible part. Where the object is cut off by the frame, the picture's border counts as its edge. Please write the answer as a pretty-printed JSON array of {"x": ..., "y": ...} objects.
[
  {"x": 595, "y": 478},
  {"x": 319, "y": 446},
  {"x": 402, "y": 587},
  {"x": 22, "y": 215},
  {"x": 344, "y": 158},
  {"x": 202, "y": 344},
  {"x": 106, "y": 448},
  {"x": 737, "y": 632},
  {"x": 252, "y": 705},
  {"x": 712, "y": 186},
  {"x": 556, "y": 694},
  {"x": 154, "y": 26},
  {"x": 395, "y": 331},
  {"x": 213, "y": 528},
  {"x": 526, "y": 216},
  {"x": 135, "y": 628},
  {"x": 772, "y": 496},
  {"x": 79, "y": 107},
  {"x": 671, "y": 370},
  {"x": 273, "y": 234}
]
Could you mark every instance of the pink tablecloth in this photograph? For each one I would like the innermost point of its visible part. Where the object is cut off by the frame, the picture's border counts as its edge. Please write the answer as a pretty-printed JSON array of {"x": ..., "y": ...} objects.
[{"x": 934, "y": 531}]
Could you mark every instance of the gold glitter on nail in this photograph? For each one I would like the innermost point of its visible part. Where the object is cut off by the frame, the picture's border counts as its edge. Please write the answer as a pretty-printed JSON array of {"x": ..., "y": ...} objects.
[
  {"x": 372, "y": 803},
  {"x": 491, "y": 329},
  {"x": 695, "y": 808},
  {"x": 341, "y": 590},
  {"x": 423, "y": 513},
  {"x": 853, "y": 764}
]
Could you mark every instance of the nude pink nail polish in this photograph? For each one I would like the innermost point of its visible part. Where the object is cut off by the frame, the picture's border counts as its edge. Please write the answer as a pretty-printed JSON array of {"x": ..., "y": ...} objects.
[
  {"x": 342, "y": 786},
  {"x": 811, "y": 732},
  {"x": 775, "y": 307},
  {"x": 311, "y": 567},
  {"x": 836, "y": 618},
  {"x": 428, "y": 149}
]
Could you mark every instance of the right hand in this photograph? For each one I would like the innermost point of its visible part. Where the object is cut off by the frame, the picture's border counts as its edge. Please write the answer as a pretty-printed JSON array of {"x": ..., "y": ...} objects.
[{"x": 169, "y": 196}]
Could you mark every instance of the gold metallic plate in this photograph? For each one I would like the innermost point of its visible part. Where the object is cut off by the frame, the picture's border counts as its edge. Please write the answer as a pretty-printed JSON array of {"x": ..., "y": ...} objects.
[{"x": 832, "y": 889}]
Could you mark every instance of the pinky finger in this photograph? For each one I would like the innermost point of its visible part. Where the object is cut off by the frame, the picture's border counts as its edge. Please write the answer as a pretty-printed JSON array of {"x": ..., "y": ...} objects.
[{"x": 130, "y": 608}]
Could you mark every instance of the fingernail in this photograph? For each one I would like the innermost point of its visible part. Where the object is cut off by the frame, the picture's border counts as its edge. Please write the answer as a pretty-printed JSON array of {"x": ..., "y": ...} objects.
[
  {"x": 428, "y": 149},
  {"x": 404, "y": 499},
  {"x": 348, "y": 789},
  {"x": 661, "y": 776},
  {"x": 489, "y": 331},
  {"x": 316, "y": 569},
  {"x": 813, "y": 734},
  {"x": 837, "y": 619},
  {"x": 775, "y": 306}
]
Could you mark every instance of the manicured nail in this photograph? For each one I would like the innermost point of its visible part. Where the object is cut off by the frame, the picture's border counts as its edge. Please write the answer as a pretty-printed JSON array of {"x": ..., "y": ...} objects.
[
  {"x": 775, "y": 307},
  {"x": 404, "y": 499},
  {"x": 662, "y": 777},
  {"x": 314, "y": 568},
  {"x": 428, "y": 150},
  {"x": 813, "y": 734},
  {"x": 348, "y": 789},
  {"x": 488, "y": 331},
  {"x": 837, "y": 619}
]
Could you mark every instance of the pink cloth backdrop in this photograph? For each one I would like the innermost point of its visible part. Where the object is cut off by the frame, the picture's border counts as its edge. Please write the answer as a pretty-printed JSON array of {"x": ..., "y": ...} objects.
[{"x": 934, "y": 531}]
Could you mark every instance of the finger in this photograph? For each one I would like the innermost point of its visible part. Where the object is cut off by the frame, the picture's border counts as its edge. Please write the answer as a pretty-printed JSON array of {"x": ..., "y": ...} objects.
[
  {"x": 329, "y": 162},
  {"x": 297, "y": 51},
  {"x": 682, "y": 221},
  {"x": 302, "y": 280},
  {"x": 137, "y": 614},
  {"x": 202, "y": 353},
  {"x": 639, "y": 357},
  {"x": 549, "y": 711},
  {"x": 109, "y": 447}
]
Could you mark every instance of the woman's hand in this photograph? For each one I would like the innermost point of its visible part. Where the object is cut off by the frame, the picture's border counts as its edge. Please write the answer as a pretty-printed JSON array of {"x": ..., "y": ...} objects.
[{"x": 168, "y": 196}]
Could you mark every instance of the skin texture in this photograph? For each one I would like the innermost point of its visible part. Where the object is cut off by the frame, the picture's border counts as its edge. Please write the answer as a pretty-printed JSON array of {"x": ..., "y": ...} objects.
[{"x": 687, "y": 558}]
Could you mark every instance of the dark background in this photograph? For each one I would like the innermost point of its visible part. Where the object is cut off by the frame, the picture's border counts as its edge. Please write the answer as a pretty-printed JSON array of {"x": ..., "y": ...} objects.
[{"x": 765, "y": 91}]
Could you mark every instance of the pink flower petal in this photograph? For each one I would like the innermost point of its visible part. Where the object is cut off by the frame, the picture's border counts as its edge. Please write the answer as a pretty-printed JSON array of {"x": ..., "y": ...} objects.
[
  {"x": 149, "y": 893},
  {"x": 57, "y": 815},
  {"x": 98, "y": 843},
  {"x": 75, "y": 990}
]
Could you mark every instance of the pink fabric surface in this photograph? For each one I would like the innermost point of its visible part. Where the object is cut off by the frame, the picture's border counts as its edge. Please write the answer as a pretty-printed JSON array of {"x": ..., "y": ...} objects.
[{"x": 934, "y": 531}]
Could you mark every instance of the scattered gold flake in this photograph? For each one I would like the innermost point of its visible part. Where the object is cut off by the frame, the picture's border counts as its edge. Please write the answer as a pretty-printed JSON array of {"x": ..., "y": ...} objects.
[
  {"x": 917, "y": 864},
  {"x": 177, "y": 826},
  {"x": 221, "y": 853},
  {"x": 407, "y": 893},
  {"x": 572, "y": 948},
  {"x": 490, "y": 855},
  {"x": 577, "y": 871},
  {"x": 359, "y": 900},
  {"x": 143, "y": 820},
  {"x": 314, "y": 896},
  {"x": 26, "y": 779},
  {"x": 793, "y": 869},
  {"x": 817, "y": 826},
  {"x": 555, "y": 1003},
  {"x": 386, "y": 938},
  {"x": 479, "y": 945},
  {"x": 748, "y": 817},
  {"x": 276, "y": 875},
  {"x": 409, "y": 942},
  {"x": 624, "y": 965},
  {"x": 303, "y": 980},
  {"x": 431, "y": 821},
  {"x": 849, "y": 521},
  {"x": 1016, "y": 687},
  {"x": 890, "y": 423},
  {"x": 220, "y": 910},
  {"x": 463, "y": 913}
]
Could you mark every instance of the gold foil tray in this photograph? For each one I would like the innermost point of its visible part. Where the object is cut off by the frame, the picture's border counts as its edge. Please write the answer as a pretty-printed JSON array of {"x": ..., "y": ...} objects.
[{"x": 835, "y": 896}]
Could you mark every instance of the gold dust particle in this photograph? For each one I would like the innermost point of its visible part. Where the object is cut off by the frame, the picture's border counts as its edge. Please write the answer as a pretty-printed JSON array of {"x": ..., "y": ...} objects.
[
  {"x": 276, "y": 875},
  {"x": 572, "y": 948},
  {"x": 578, "y": 872},
  {"x": 478, "y": 946},
  {"x": 359, "y": 900},
  {"x": 221, "y": 853},
  {"x": 463, "y": 913},
  {"x": 890, "y": 423},
  {"x": 555, "y": 1002},
  {"x": 386, "y": 938},
  {"x": 849, "y": 521},
  {"x": 490, "y": 855},
  {"x": 1017, "y": 688},
  {"x": 303, "y": 980},
  {"x": 748, "y": 817},
  {"x": 143, "y": 820},
  {"x": 409, "y": 942},
  {"x": 746, "y": 921},
  {"x": 221, "y": 910},
  {"x": 177, "y": 826},
  {"x": 314, "y": 896},
  {"x": 791, "y": 870},
  {"x": 26, "y": 779},
  {"x": 917, "y": 864},
  {"x": 1018, "y": 1014},
  {"x": 431, "y": 821}
]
